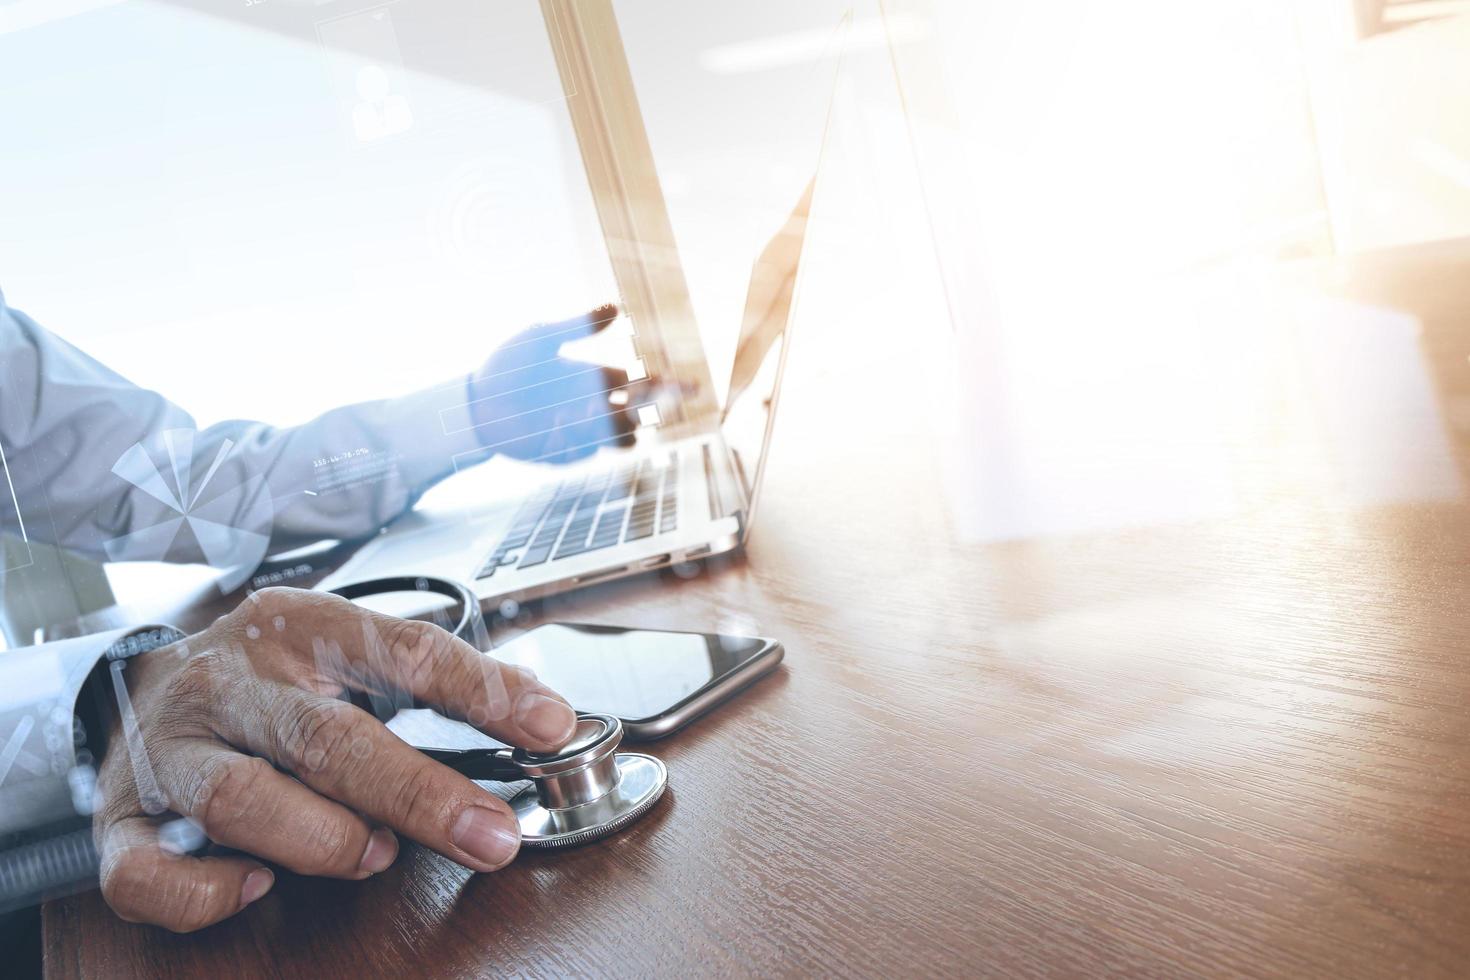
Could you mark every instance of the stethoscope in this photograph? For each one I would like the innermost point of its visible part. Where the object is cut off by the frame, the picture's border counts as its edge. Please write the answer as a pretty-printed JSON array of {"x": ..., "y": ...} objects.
[
  {"x": 581, "y": 793},
  {"x": 471, "y": 625}
]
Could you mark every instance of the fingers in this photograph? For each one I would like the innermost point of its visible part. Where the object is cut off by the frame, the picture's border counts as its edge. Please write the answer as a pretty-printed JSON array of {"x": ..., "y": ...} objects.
[
  {"x": 442, "y": 671},
  {"x": 624, "y": 414},
  {"x": 544, "y": 339},
  {"x": 243, "y": 802},
  {"x": 530, "y": 403},
  {"x": 377, "y": 652},
  {"x": 145, "y": 883},
  {"x": 577, "y": 429},
  {"x": 345, "y": 753},
  {"x": 577, "y": 327},
  {"x": 566, "y": 405}
]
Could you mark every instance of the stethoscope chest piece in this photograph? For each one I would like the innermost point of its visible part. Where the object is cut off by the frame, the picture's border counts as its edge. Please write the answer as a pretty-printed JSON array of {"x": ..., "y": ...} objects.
[{"x": 587, "y": 790}]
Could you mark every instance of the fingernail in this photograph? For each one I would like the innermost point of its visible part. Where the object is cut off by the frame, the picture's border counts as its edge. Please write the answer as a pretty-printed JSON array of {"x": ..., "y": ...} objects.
[
  {"x": 544, "y": 718},
  {"x": 382, "y": 848},
  {"x": 257, "y": 883},
  {"x": 486, "y": 836}
]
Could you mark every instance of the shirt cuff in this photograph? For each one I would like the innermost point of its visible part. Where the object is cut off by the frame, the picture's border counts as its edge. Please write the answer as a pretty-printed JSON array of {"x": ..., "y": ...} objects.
[
  {"x": 39, "y": 687},
  {"x": 433, "y": 433}
]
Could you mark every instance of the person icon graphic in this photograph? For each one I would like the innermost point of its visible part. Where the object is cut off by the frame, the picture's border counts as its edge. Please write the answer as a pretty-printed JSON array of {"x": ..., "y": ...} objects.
[{"x": 379, "y": 112}]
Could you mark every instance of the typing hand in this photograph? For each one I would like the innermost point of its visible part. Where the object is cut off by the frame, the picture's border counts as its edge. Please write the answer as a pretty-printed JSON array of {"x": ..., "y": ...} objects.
[
  {"x": 245, "y": 734},
  {"x": 530, "y": 403}
]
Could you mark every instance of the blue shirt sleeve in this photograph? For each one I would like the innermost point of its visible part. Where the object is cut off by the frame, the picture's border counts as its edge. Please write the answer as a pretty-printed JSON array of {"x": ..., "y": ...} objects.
[{"x": 104, "y": 468}]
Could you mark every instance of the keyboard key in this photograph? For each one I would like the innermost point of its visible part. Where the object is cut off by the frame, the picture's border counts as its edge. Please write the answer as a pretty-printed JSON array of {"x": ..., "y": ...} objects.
[
  {"x": 622, "y": 484},
  {"x": 609, "y": 528},
  {"x": 571, "y": 548},
  {"x": 520, "y": 532},
  {"x": 545, "y": 538},
  {"x": 640, "y": 522},
  {"x": 536, "y": 554},
  {"x": 668, "y": 518},
  {"x": 574, "y": 541},
  {"x": 522, "y": 526},
  {"x": 645, "y": 503}
]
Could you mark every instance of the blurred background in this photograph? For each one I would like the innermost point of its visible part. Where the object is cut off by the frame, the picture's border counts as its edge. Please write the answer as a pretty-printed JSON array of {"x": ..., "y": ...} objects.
[{"x": 1093, "y": 241}]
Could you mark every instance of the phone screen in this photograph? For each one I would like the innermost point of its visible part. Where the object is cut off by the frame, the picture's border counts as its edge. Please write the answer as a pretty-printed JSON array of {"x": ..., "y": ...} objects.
[{"x": 633, "y": 674}]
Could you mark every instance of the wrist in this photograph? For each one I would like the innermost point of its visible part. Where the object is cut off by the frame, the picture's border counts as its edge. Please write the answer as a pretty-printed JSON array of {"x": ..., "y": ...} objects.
[{"x": 97, "y": 705}]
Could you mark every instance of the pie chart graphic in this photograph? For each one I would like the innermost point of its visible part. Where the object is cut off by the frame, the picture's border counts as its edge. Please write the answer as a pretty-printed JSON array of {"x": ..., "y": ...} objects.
[{"x": 194, "y": 508}]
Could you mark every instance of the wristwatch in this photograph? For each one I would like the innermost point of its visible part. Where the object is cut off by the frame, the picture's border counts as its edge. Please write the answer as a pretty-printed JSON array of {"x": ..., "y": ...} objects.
[
  {"x": 104, "y": 694},
  {"x": 143, "y": 641}
]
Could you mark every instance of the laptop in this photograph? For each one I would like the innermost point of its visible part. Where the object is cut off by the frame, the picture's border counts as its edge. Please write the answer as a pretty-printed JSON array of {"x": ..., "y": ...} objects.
[{"x": 664, "y": 503}]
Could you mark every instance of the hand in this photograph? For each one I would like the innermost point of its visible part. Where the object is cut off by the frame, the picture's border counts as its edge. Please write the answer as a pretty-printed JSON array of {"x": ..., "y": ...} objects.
[
  {"x": 245, "y": 734},
  {"x": 530, "y": 403}
]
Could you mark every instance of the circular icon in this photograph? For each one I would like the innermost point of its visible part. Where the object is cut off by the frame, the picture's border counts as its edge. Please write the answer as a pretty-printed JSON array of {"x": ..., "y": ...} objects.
[{"x": 194, "y": 508}]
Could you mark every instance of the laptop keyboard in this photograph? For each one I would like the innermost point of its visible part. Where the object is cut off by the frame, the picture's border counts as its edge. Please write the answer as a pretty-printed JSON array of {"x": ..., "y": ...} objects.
[{"x": 590, "y": 513}]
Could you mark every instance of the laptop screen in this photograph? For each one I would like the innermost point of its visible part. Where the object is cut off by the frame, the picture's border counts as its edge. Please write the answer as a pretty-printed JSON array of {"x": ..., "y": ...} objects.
[
  {"x": 765, "y": 331},
  {"x": 760, "y": 355}
]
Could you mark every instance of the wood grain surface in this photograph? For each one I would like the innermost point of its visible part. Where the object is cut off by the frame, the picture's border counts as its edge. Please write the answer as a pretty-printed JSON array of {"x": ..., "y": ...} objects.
[{"x": 1231, "y": 746}]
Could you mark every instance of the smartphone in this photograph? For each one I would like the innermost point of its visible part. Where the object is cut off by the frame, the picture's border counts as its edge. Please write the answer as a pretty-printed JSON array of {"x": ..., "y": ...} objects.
[{"x": 655, "y": 682}]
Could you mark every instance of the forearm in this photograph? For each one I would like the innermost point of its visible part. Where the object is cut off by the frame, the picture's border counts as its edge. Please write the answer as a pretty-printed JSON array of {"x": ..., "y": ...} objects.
[
  {"x": 244, "y": 487},
  {"x": 113, "y": 471},
  {"x": 349, "y": 472}
]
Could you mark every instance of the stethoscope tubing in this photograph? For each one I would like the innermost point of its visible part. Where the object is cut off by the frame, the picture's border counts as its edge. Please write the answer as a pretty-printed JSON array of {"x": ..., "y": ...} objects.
[{"x": 471, "y": 625}]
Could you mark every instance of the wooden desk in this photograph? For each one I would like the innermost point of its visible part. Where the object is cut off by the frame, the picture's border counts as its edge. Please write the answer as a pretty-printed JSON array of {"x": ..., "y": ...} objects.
[{"x": 1238, "y": 746}]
